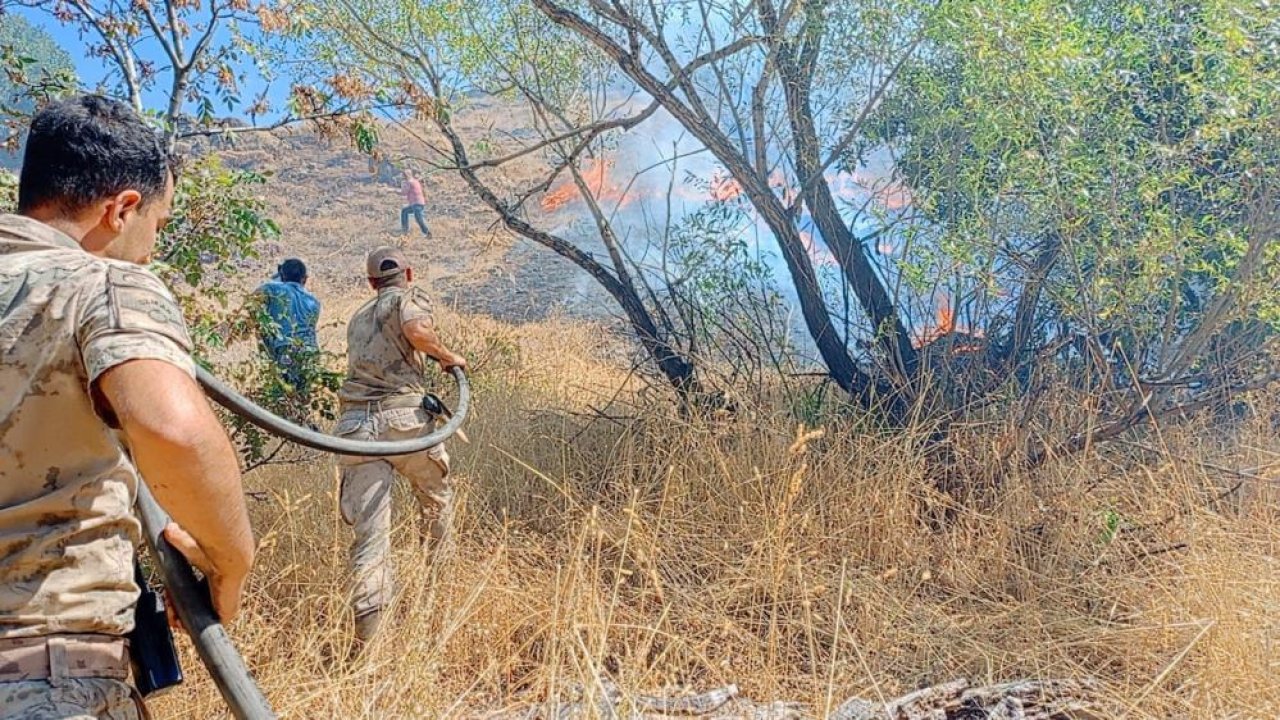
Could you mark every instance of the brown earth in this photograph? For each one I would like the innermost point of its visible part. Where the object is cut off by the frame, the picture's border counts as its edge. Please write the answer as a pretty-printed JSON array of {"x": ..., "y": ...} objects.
[{"x": 333, "y": 205}]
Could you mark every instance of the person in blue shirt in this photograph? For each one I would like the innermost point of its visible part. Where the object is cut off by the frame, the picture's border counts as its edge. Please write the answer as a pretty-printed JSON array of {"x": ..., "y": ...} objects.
[{"x": 292, "y": 312}]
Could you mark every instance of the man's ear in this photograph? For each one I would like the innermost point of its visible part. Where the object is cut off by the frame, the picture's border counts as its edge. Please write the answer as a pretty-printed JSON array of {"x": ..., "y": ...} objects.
[
  {"x": 120, "y": 208},
  {"x": 110, "y": 215}
]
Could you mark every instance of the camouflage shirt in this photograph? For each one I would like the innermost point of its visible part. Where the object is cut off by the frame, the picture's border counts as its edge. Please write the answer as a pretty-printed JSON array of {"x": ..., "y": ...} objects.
[
  {"x": 67, "y": 484},
  {"x": 381, "y": 364}
]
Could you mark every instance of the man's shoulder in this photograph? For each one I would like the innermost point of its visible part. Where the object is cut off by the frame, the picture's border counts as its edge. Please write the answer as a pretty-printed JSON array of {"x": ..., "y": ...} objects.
[
  {"x": 135, "y": 318},
  {"x": 22, "y": 230},
  {"x": 62, "y": 272},
  {"x": 32, "y": 252},
  {"x": 139, "y": 298},
  {"x": 127, "y": 273},
  {"x": 283, "y": 287},
  {"x": 401, "y": 298},
  {"x": 271, "y": 287},
  {"x": 363, "y": 312},
  {"x": 415, "y": 306},
  {"x": 305, "y": 293},
  {"x": 126, "y": 280},
  {"x": 416, "y": 295}
]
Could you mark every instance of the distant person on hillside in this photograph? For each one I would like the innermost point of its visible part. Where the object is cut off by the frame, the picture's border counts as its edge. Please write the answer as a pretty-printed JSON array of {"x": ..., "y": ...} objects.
[
  {"x": 389, "y": 342},
  {"x": 415, "y": 202},
  {"x": 289, "y": 333}
]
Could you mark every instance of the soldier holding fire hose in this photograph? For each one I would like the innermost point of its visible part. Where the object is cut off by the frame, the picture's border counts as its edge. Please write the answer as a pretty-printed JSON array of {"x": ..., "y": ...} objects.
[
  {"x": 384, "y": 397},
  {"x": 97, "y": 390}
]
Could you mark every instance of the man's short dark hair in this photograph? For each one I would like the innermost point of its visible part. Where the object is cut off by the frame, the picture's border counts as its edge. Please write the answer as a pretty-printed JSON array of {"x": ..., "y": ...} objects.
[
  {"x": 293, "y": 270},
  {"x": 87, "y": 148}
]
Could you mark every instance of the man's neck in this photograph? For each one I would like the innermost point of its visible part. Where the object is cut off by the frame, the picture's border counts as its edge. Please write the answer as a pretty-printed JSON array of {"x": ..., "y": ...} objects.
[{"x": 72, "y": 228}]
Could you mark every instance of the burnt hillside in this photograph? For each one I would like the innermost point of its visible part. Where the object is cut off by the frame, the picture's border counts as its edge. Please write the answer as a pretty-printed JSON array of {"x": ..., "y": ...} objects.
[{"x": 333, "y": 205}]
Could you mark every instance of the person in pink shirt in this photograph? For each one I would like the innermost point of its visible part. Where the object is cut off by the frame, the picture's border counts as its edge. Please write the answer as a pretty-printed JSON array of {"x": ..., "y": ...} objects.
[{"x": 415, "y": 202}]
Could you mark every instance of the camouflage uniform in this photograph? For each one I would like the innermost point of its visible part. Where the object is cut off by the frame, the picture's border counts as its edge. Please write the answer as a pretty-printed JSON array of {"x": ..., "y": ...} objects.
[
  {"x": 67, "y": 484},
  {"x": 381, "y": 400},
  {"x": 73, "y": 699}
]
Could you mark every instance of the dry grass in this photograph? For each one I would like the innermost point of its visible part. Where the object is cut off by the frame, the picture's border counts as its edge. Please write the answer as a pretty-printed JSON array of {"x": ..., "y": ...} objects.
[
  {"x": 800, "y": 566},
  {"x": 663, "y": 554}
]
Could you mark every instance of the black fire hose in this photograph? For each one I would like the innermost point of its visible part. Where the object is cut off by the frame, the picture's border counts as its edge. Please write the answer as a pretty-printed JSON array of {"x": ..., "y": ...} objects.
[
  {"x": 195, "y": 609},
  {"x": 192, "y": 602},
  {"x": 276, "y": 425}
]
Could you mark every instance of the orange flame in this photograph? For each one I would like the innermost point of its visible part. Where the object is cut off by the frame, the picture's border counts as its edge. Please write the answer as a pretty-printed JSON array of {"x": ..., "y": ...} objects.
[
  {"x": 595, "y": 175},
  {"x": 723, "y": 188},
  {"x": 945, "y": 324}
]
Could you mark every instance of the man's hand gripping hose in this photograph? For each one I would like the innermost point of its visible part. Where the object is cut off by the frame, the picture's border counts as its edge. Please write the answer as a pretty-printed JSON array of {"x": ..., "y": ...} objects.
[{"x": 191, "y": 599}]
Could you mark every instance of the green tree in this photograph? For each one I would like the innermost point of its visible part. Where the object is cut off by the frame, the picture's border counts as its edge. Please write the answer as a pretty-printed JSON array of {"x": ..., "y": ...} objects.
[
  {"x": 219, "y": 214},
  {"x": 1091, "y": 182},
  {"x": 781, "y": 91},
  {"x": 767, "y": 95},
  {"x": 1099, "y": 179},
  {"x": 429, "y": 56},
  {"x": 33, "y": 68},
  {"x": 220, "y": 219}
]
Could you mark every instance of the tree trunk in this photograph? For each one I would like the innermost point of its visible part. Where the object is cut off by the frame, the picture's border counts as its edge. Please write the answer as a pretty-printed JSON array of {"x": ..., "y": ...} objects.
[
  {"x": 677, "y": 369},
  {"x": 835, "y": 354},
  {"x": 796, "y": 75}
]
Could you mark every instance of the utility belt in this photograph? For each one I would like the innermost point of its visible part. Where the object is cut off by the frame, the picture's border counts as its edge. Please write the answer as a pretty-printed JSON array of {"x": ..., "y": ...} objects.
[
  {"x": 148, "y": 650},
  {"x": 428, "y": 402},
  {"x": 59, "y": 657},
  {"x": 403, "y": 402}
]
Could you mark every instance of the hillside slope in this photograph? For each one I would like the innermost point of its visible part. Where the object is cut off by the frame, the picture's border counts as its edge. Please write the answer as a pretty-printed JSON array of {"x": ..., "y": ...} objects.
[{"x": 333, "y": 206}]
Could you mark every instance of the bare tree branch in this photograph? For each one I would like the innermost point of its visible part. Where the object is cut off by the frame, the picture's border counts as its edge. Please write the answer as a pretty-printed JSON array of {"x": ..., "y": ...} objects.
[
  {"x": 119, "y": 50},
  {"x": 856, "y": 128},
  {"x": 694, "y": 117},
  {"x": 286, "y": 121},
  {"x": 593, "y": 130}
]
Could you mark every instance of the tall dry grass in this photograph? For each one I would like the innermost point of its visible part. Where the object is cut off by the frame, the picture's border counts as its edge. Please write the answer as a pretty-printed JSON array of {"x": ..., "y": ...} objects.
[{"x": 799, "y": 565}]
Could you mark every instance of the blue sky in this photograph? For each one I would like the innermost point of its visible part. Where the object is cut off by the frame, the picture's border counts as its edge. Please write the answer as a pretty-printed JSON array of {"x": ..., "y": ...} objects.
[{"x": 95, "y": 72}]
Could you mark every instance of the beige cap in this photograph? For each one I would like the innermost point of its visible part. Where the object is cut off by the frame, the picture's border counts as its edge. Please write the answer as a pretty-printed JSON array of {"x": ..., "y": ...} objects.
[{"x": 377, "y": 264}]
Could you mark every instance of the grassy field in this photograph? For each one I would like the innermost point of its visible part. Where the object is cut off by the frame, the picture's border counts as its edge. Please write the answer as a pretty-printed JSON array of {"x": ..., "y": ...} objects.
[{"x": 799, "y": 565}]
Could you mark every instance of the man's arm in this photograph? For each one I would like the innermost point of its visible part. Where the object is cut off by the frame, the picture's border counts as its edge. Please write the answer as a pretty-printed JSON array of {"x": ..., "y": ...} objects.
[
  {"x": 191, "y": 468},
  {"x": 421, "y": 334}
]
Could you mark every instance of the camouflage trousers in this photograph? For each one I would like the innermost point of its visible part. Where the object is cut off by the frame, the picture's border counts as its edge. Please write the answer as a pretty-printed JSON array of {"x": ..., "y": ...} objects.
[
  {"x": 71, "y": 699},
  {"x": 364, "y": 496}
]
